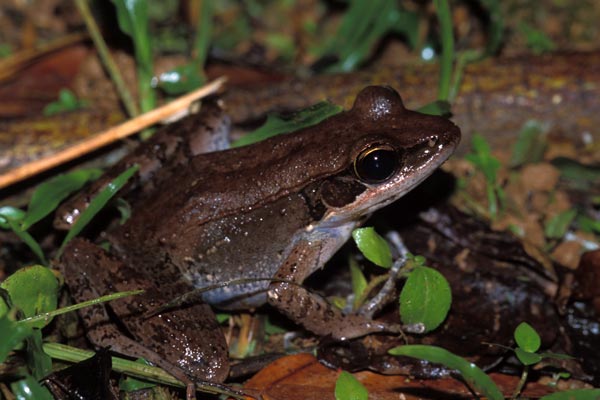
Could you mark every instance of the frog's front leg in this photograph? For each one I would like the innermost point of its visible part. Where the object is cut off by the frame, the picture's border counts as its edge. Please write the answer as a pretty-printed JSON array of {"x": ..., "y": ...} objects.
[{"x": 310, "y": 310}]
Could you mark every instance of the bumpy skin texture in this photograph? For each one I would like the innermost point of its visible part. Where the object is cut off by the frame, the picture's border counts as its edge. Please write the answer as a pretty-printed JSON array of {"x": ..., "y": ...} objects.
[{"x": 278, "y": 209}]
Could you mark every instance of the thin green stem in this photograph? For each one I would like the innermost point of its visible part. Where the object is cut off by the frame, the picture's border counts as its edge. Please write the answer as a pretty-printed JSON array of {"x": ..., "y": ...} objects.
[
  {"x": 71, "y": 354},
  {"x": 107, "y": 60},
  {"x": 521, "y": 383},
  {"x": 445, "y": 18}
]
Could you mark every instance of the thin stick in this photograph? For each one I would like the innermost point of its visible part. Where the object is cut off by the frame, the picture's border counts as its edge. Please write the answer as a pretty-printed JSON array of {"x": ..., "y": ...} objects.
[{"x": 108, "y": 136}]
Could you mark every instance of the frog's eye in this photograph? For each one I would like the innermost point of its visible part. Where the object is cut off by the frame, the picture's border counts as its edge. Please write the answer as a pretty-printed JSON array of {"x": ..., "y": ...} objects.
[{"x": 376, "y": 164}]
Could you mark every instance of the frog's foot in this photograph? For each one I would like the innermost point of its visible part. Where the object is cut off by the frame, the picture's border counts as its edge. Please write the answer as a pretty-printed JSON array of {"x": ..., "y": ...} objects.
[{"x": 318, "y": 316}]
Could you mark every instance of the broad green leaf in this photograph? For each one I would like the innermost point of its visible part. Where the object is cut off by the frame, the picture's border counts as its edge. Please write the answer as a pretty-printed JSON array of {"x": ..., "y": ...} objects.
[
  {"x": 473, "y": 375},
  {"x": 373, "y": 246},
  {"x": 276, "y": 125},
  {"x": 34, "y": 290},
  {"x": 557, "y": 226},
  {"x": 347, "y": 387},
  {"x": 526, "y": 357},
  {"x": 575, "y": 394},
  {"x": 359, "y": 282},
  {"x": 12, "y": 334},
  {"x": 40, "y": 363},
  {"x": 51, "y": 193},
  {"x": 425, "y": 298},
  {"x": 530, "y": 146},
  {"x": 30, "y": 389},
  {"x": 527, "y": 338},
  {"x": 97, "y": 203}
]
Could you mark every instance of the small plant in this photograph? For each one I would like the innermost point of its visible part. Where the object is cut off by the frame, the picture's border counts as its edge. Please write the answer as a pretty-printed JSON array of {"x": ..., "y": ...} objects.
[
  {"x": 67, "y": 101},
  {"x": 528, "y": 343},
  {"x": 425, "y": 297},
  {"x": 481, "y": 157}
]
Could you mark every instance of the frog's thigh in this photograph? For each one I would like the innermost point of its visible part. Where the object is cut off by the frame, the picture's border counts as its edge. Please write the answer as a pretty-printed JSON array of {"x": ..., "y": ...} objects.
[
  {"x": 185, "y": 342},
  {"x": 308, "y": 309}
]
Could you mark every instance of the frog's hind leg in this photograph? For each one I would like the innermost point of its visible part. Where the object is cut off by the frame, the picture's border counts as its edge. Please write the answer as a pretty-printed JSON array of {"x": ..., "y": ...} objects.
[{"x": 186, "y": 342}]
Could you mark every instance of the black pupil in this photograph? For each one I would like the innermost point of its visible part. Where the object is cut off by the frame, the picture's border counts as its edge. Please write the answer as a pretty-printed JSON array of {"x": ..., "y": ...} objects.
[{"x": 376, "y": 165}]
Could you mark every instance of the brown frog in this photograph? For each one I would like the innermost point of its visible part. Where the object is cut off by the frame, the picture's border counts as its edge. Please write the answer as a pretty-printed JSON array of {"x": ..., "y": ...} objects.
[{"x": 276, "y": 209}]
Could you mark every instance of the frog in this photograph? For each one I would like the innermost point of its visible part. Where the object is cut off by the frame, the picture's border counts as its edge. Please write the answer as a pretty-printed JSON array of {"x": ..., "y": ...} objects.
[{"x": 270, "y": 213}]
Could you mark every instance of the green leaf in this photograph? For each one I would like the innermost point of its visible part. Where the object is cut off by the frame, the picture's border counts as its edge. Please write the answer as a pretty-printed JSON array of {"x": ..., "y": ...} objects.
[
  {"x": 588, "y": 224},
  {"x": 530, "y": 146},
  {"x": 482, "y": 157},
  {"x": 575, "y": 394},
  {"x": 276, "y": 125},
  {"x": 495, "y": 30},
  {"x": 27, "y": 239},
  {"x": 204, "y": 28},
  {"x": 363, "y": 25},
  {"x": 39, "y": 362},
  {"x": 132, "y": 16},
  {"x": 130, "y": 384},
  {"x": 222, "y": 317},
  {"x": 527, "y": 338},
  {"x": 473, "y": 375},
  {"x": 558, "y": 225},
  {"x": 34, "y": 290},
  {"x": 527, "y": 357},
  {"x": 438, "y": 107},
  {"x": 30, "y": 389},
  {"x": 359, "y": 282},
  {"x": 347, "y": 387},
  {"x": 577, "y": 175},
  {"x": 12, "y": 334},
  {"x": 10, "y": 213},
  {"x": 181, "y": 79},
  {"x": 51, "y": 193},
  {"x": 270, "y": 327},
  {"x": 373, "y": 246},
  {"x": 425, "y": 298},
  {"x": 536, "y": 39},
  {"x": 67, "y": 101},
  {"x": 97, "y": 203},
  {"x": 447, "y": 58}
]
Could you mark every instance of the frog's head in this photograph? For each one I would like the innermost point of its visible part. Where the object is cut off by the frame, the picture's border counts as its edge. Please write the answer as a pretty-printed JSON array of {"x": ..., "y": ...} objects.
[{"x": 391, "y": 151}]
